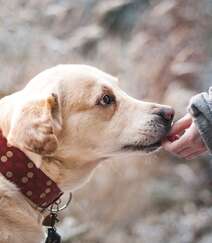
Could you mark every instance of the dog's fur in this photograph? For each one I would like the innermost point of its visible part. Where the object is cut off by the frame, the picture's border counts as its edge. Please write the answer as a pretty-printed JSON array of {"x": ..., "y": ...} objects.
[{"x": 60, "y": 121}]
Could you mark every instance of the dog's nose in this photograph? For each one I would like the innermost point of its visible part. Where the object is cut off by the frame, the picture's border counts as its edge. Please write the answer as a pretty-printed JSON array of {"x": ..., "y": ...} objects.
[{"x": 166, "y": 113}]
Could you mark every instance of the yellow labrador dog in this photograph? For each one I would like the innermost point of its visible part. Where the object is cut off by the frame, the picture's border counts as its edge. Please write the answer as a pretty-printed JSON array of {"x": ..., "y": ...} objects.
[{"x": 67, "y": 120}]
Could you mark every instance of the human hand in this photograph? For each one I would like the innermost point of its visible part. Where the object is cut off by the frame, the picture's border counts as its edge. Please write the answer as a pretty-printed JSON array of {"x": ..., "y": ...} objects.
[{"x": 184, "y": 140}]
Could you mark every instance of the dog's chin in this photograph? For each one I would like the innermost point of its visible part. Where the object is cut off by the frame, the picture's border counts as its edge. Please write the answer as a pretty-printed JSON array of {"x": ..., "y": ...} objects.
[{"x": 142, "y": 148}]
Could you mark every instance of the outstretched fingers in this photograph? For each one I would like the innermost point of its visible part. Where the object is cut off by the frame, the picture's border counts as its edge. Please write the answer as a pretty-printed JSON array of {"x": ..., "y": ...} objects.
[
  {"x": 187, "y": 146},
  {"x": 182, "y": 124}
]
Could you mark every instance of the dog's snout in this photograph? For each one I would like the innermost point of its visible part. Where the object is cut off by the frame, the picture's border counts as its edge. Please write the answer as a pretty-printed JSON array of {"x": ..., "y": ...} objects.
[{"x": 166, "y": 113}]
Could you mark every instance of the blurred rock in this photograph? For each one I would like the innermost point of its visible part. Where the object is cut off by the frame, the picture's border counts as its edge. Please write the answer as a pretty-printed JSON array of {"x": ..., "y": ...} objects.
[
  {"x": 119, "y": 16},
  {"x": 206, "y": 239},
  {"x": 160, "y": 51},
  {"x": 85, "y": 40}
]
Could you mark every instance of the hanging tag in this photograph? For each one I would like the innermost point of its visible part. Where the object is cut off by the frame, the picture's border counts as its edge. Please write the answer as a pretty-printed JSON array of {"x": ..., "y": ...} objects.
[
  {"x": 50, "y": 220},
  {"x": 53, "y": 236}
]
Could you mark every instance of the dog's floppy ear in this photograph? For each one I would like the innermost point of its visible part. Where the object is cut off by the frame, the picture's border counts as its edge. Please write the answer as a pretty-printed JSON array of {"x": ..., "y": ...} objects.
[{"x": 36, "y": 126}]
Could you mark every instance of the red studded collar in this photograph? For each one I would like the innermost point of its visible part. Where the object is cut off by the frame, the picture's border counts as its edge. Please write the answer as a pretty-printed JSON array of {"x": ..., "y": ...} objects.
[{"x": 31, "y": 181}]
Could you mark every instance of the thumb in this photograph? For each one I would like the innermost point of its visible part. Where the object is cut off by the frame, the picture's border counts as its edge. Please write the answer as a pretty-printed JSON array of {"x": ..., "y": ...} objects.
[{"x": 182, "y": 124}]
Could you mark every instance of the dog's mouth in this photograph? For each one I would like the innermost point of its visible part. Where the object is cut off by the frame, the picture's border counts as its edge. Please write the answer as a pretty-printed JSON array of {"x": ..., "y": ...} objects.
[
  {"x": 147, "y": 148},
  {"x": 139, "y": 147}
]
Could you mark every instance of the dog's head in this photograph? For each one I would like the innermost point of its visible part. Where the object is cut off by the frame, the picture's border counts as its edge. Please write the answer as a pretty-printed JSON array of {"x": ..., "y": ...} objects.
[{"x": 77, "y": 112}]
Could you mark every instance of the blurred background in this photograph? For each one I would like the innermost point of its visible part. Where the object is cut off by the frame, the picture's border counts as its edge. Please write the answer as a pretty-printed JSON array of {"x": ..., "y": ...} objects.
[{"x": 161, "y": 51}]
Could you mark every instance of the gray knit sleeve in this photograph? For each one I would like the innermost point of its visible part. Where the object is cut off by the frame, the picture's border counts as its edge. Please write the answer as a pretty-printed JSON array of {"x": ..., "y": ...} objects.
[{"x": 200, "y": 108}]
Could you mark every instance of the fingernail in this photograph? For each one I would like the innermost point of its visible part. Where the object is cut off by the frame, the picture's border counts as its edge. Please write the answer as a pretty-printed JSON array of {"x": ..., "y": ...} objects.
[{"x": 173, "y": 138}]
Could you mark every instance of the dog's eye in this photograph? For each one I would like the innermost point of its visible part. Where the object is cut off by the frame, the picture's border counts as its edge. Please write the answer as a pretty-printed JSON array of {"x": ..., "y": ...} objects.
[{"x": 106, "y": 100}]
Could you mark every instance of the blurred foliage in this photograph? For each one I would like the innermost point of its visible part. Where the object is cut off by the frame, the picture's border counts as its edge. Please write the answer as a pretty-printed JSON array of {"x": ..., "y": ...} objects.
[{"x": 161, "y": 51}]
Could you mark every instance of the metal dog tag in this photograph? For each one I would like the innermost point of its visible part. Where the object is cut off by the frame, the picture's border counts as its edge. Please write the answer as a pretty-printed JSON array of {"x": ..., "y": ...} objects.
[
  {"x": 50, "y": 221},
  {"x": 53, "y": 236}
]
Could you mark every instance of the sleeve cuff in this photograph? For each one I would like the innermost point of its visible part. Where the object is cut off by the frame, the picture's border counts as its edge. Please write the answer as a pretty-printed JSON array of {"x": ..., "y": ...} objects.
[{"x": 200, "y": 109}]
